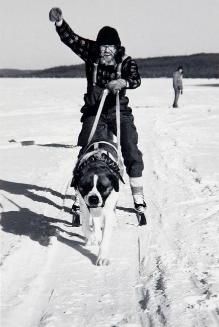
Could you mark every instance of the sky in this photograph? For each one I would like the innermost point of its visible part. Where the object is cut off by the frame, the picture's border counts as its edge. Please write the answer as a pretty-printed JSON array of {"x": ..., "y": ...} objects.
[{"x": 147, "y": 28}]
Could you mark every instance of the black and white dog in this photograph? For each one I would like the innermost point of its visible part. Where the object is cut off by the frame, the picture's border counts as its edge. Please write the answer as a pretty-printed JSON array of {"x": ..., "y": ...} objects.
[{"x": 97, "y": 177}]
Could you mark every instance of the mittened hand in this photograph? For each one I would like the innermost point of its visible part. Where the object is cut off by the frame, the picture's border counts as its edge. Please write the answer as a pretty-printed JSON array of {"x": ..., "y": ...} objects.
[
  {"x": 116, "y": 85},
  {"x": 55, "y": 15}
]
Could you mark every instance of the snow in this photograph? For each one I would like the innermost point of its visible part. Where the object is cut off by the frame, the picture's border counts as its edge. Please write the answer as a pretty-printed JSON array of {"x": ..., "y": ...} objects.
[{"x": 162, "y": 274}]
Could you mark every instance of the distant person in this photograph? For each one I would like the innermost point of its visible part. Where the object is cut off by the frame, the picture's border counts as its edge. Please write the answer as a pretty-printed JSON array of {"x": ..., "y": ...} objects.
[
  {"x": 107, "y": 66},
  {"x": 177, "y": 85}
]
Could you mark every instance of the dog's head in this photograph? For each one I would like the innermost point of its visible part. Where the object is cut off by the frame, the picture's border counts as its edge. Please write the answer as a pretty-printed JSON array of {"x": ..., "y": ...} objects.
[{"x": 95, "y": 184}]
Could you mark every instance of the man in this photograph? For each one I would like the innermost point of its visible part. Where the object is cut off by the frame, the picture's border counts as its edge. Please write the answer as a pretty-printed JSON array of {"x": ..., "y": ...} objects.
[
  {"x": 107, "y": 67},
  {"x": 177, "y": 85}
]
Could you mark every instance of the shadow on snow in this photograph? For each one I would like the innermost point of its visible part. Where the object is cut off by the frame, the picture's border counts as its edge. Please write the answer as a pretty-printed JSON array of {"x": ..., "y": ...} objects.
[
  {"x": 57, "y": 145},
  {"x": 38, "y": 226},
  {"x": 28, "y": 191}
]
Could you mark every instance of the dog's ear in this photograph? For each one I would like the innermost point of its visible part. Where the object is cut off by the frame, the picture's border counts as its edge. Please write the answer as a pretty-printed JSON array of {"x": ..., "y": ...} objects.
[
  {"x": 121, "y": 179},
  {"x": 115, "y": 182},
  {"x": 74, "y": 182}
]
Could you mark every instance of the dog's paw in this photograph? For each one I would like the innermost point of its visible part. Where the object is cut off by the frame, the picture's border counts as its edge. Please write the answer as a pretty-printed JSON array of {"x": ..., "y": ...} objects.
[{"x": 102, "y": 262}]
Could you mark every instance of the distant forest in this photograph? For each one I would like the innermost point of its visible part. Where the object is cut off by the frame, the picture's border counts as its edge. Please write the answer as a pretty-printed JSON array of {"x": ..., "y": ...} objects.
[{"x": 200, "y": 65}]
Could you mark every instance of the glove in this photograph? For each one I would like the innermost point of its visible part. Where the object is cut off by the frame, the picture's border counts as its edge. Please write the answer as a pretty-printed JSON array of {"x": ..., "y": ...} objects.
[
  {"x": 55, "y": 15},
  {"x": 116, "y": 85}
]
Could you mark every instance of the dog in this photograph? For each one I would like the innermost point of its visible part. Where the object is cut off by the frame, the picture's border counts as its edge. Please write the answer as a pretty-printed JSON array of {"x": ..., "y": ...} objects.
[{"x": 96, "y": 178}]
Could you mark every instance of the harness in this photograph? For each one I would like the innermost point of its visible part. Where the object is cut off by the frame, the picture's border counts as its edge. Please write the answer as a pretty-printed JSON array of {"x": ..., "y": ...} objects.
[
  {"x": 102, "y": 151},
  {"x": 100, "y": 147},
  {"x": 104, "y": 95},
  {"x": 106, "y": 152}
]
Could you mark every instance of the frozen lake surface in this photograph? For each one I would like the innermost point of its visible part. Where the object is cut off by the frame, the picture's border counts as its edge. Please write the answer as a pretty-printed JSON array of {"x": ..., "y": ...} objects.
[{"x": 162, "y": 274}]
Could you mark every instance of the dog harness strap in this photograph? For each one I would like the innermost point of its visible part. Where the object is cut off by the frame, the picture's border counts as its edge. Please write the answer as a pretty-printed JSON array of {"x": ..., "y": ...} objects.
[
  {"x": 86, "y": 156},
  {"x": 119, "y": 67},
  {"x": 102, "y": 145},
  {"x": 96, "y": 147},
  {"x": 118, "y": 126},
  {"x": 94, "y": 127},
  {"x": 95, "y": 73},
  {"x": 119, "y": 70}
]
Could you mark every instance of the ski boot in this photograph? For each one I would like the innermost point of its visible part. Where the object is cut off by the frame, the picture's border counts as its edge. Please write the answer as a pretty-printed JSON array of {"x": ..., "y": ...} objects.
[
  {"x": 76, "y": 213},
  {"x": 140, "y": 211},
  {"x": 136, "y": 184}
]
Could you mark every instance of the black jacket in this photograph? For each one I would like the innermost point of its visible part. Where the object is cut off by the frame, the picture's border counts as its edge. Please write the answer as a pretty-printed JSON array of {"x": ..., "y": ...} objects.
[{"x": 86, "y": 50}]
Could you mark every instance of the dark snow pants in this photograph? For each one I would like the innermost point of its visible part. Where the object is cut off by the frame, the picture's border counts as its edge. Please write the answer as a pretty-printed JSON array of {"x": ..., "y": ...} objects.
[
  {"x": 176, "y": 97},
  {"x": 129, "y": 138}
]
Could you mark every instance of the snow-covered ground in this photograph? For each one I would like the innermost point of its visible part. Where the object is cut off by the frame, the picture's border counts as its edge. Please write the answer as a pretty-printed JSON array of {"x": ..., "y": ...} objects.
[{"x": 163, "y": 274}]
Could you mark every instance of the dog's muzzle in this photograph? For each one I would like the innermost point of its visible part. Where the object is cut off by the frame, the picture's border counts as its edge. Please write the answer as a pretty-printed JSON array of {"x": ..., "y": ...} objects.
[{"x": 93, "y": 200}]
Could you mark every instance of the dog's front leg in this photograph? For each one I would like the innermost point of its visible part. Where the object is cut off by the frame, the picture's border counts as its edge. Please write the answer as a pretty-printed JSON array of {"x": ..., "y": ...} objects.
[
  {"x": 103, "y": 256},
  {"x": 97, "y": 218},
  {"x": 87, "y": 222},
  {"x": 109, "y": 221}
]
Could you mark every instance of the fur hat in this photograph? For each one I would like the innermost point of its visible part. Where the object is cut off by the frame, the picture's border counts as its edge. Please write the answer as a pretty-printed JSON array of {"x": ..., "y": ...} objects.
[
  {"x": 180, "y": 68},
  {"x": 108, "y": 36}
]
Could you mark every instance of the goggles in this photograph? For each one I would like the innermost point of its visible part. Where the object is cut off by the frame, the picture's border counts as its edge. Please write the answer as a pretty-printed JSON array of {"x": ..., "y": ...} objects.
[{"x": 108, "y": 48}]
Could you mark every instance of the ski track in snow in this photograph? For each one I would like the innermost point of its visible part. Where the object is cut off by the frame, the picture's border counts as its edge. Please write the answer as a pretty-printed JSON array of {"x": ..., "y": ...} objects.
[{"x": 162, "y": 274}]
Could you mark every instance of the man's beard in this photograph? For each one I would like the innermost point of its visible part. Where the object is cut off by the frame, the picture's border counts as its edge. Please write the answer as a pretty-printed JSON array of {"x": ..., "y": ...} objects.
[{"x": 107, "y": 60}]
